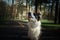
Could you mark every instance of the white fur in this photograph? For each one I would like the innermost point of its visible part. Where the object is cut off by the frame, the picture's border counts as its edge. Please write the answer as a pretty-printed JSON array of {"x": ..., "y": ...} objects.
[{"x": 34, "y": 29}]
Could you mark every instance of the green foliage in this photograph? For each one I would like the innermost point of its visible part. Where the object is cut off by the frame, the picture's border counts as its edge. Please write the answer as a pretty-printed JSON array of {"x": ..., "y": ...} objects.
[{"x": 51, "y": 26}]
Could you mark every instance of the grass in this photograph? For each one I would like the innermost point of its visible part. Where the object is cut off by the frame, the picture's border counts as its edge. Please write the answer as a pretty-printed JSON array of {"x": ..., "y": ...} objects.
[
  {"x": 45, "y": 23},
  {"x": 48, "y": 24},
  {"x": 55, "y": 25},
  {"x": 51, "y": 26}
]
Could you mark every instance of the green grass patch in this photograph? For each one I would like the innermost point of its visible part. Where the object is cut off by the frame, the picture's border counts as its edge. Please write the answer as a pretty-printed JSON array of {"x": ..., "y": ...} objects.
[
  {"x": 51, "y": 25},
  {"x": 47, "y": 21}
]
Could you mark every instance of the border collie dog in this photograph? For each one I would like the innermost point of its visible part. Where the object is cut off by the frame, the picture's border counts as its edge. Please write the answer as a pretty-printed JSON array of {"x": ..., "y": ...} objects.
[{"x": 34, "y": 26}]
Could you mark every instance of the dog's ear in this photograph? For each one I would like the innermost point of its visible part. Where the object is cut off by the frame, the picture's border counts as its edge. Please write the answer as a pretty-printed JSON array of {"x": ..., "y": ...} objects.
[{"x": 37, "y": 16}]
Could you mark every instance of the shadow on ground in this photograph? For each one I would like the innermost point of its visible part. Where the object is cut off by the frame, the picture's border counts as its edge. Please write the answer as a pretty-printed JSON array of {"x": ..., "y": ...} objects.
[{"x": 11, "y": 30}]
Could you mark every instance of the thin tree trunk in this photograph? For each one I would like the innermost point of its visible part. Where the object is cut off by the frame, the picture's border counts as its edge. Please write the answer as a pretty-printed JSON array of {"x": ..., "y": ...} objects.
[
  {"x": 8, "y": 9},
  {"x": 51, "y": 14},
  {"x": 26, "y": 9},
  {"x": 12, "y": 8},
  {"x": 48, "y": 12},
  {"x": 44, "y": 8},
  {"x": 59, "y": 17},
  {"x": 40, "y": 6},
  {"x": 29, "y": 5},
  {"x": 36, "y": 5},
  {"x": 22, "y": 11},
  {"x": 56, "y": 12}
]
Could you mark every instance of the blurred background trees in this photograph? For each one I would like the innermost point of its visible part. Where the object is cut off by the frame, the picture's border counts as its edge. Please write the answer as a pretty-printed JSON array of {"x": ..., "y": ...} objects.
[
  {"x": 3, "y": 10},
  {"x": 18, "y": 9}
]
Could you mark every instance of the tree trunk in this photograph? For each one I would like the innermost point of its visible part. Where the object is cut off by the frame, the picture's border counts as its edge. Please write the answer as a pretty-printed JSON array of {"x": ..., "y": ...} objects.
[
  {"x": 29, "y": 7},
  {"x": 36, "y": 5},
  {"x": 40, "y": 6},
  {"x": 59, "y": 12},
  {"x": 44, "y": 11},
  {"x": 26, "y": 9},
  {"x": 56, "y": 12},
  {"x": 48, "y": 12},
  {"x": 12, "y": 8},
  {"x": 59, "y": 16},
  {"x": 51, "y": 14},
  {"x": 22, "y": 11}
]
